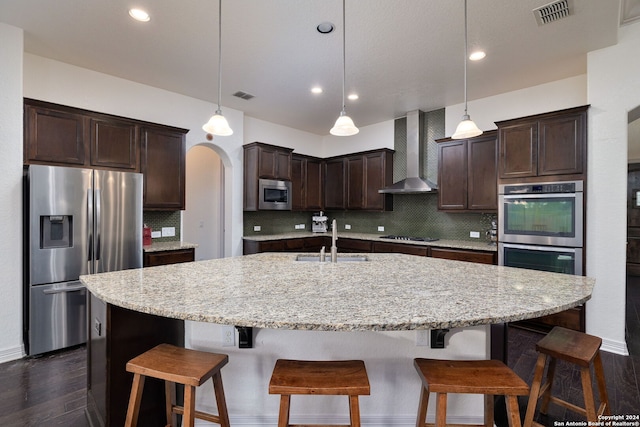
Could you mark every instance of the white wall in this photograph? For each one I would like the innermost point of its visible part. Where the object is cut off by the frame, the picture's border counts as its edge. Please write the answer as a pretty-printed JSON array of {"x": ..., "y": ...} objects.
[
  {"x": 613, "y": 92},
  {"x": 11, "y": 48},
  {"x": 379, "y": 135},
  {"x": 256, "y": 130}
]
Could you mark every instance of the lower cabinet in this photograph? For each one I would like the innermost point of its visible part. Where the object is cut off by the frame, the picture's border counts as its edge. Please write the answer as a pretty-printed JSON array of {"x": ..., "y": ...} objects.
[
  {"x": 302, "y": 244},
  {"x": 151, "y": 259},
  {"x": 479, "y": 257},
  {"x": 400, "y": 248},
  {"x": 354, "y": 245}
]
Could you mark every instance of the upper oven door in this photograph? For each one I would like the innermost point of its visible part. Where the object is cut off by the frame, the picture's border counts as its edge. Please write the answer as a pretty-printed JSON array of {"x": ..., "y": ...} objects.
[{"x": 541, "y": 219}]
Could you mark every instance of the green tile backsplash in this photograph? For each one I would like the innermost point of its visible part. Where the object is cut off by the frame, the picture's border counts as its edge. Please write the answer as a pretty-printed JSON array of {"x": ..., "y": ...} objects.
[{"x": 158, "y": 219}]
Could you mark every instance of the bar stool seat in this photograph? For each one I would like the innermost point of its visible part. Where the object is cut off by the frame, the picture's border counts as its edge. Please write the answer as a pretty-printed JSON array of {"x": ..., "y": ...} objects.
[
  {"x": 487, "y": 377},
  {"x": 177, "y": 365},
  {"x": 337, "y": 377},
  {"x": 579, "y": 349}
]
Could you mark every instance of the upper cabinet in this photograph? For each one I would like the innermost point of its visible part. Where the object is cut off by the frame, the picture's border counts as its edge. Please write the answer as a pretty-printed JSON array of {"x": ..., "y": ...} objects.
[
  {"x": 306, "y": 183},
  {"x": 467, "y": 174},
  {"x": 263, "y": 161},
  {"x": 334, "y": 188},
  {"x": 66, "y": 136},
  {"x": 550, "y": 145},
  {"x": 163, "y": 166}
]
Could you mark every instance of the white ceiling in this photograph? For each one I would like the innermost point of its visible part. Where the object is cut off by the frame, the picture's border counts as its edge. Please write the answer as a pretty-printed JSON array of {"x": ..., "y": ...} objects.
[{"x": 401, "y": 55}]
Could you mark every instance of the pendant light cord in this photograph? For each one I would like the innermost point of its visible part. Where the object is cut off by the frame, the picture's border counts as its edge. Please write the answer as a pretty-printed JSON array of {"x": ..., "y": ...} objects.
[
  {"x": 344, "y": 57},
  {"x": 220, "y": 51},
  {"x": 465, "y": 57}
]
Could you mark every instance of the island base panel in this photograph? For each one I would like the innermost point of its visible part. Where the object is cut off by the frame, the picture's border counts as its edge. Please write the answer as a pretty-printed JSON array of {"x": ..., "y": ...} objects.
[{"x": 116, "y": 336}]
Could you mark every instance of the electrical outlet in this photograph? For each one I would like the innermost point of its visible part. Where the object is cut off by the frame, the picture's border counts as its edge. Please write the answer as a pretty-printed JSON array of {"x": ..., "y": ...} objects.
[
  {"x": 297, "y": 226},
  {"x": 168, "y": 231},
  {"x": 347, "y": 226},
  {"x": 257, "y": 228},
  {"x": 302, "y": 226},
  {"x": 474, "y": 234},
  {"x": 381, "y": 228},
  {"x": 422, "y": 338},
  {"x": 228, "y": 336},
  {"x": 156, "y": 234}
]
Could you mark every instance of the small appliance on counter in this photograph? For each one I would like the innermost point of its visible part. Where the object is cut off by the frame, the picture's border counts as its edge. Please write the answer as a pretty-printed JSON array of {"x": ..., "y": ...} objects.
[
  {"x": 492, "y": 233},
  {"x": 319, "y": 223}
]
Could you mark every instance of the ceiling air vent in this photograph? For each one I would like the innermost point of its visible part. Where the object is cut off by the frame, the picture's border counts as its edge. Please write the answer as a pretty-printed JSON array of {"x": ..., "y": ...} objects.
[
  {"x": 552, "y": 12},
  {"x": 244, "y": 95}
]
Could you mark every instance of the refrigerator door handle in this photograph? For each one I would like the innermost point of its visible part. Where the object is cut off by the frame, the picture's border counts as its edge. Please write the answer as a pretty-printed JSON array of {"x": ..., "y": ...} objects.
[
  {"x": 90, "y": 217},
  {"x": 98, "y": 224},
  {"x": 63, "y": 290}
]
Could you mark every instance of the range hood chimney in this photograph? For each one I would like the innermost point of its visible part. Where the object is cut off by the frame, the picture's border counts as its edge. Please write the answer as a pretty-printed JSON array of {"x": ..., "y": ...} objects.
[{"x": 413, "y": 183}]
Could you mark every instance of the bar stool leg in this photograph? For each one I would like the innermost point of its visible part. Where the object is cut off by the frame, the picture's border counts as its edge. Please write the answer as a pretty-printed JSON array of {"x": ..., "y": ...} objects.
[
  {"x": 587, "y": 391},
  {"x": 283, "y": 416},
  {"x": 535, "y": 390},
  {"x": 134, "y": 401},
  {"x": 170, "y": 401},
  {"x": 513, "y": 411},
  {"x": 488, "y": 410},
  {"x": 441, "y": 409},
  {"x": 189, "y": 406},
  {"x": 218, "y": 390},
  {"x": 602, "y": 387},
  {"x": 551, "y": 374},
  {"x": 354, "y": 411},
  {"x": 422, "y": 408}
]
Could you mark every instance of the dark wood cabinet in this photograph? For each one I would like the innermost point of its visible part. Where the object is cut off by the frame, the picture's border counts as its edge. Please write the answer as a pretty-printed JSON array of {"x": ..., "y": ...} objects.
[
  {"x": 355, "y": 182},
  {"x": 114, "y": 144},
  {"x": 152, "y": 259},
  {"x": 400, "y": 248},
  {"x": 163, "y": 166},
  {"x": 54, "y": 134},
  {"x": 306, "y": 183},
  {"x": 467, "y": 174},
  {"x": 479, "y": 257},
  {"x": 548, "y": 145},
  {"x": 354, "y": 245},
  {"x": 302, "y": 244},
  {"x": 334, "y": 184},
  {"x": 263, "y": 161}
]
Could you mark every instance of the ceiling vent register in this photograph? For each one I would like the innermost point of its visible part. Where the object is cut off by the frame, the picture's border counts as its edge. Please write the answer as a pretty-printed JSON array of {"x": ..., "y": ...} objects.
[
  {"x": 552, "y": 12},
  {"x": 244, "y": 95}
]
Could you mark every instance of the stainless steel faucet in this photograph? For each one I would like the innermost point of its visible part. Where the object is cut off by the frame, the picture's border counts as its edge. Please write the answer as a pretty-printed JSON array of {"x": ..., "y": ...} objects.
[
  {"x": 334, "y": 237},
  {"x": 322, "y": 256}
]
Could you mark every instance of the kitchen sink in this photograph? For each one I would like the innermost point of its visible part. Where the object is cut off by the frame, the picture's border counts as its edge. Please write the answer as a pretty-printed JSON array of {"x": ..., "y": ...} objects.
[{"x": 316, "y": 258}]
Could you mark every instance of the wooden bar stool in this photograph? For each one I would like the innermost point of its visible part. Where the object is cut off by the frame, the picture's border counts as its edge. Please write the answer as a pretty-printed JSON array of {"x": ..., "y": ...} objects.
[
  {"x": 177, "y": 365},
  {"x": 488, "y": 377},
  {"x": 573, "y": 347},
  {"x": 341, "y": 377}
]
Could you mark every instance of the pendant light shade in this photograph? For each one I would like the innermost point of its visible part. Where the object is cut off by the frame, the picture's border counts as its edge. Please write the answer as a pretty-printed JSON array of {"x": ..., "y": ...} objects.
[
  {"x": 217, "y": 124},
  {"x": 344, "y": 125},
  {"x": 467, "y": 128}
]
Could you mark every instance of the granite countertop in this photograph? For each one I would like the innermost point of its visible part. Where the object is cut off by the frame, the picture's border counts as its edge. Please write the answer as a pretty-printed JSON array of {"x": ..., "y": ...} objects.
[
  {"x": 387, "y": 292},
  {"x": 480, "y": 245},
  {"x": 168, "y": 246}
]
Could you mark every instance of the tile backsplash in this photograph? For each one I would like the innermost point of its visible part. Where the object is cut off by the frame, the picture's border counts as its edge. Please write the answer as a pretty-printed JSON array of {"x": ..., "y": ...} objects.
[{"x": 158, "y": 219}]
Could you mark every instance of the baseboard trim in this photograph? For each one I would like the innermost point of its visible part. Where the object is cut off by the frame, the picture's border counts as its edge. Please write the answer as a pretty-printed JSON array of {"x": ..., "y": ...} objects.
[
  {"x": 617, "y": 347},
  {"x": 366, "y": 421},
  {"x": 10, "y": 354}
]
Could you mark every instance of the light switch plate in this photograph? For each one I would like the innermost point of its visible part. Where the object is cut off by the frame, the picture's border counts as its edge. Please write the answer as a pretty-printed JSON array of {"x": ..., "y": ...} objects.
[
  {"x": 381, "y": 228},
  {"x": 474, "y": 234},
  {"x": 257, "y": 228},
  {"x": 168, "y": 231},
  {"x": 347, "y": 226}
]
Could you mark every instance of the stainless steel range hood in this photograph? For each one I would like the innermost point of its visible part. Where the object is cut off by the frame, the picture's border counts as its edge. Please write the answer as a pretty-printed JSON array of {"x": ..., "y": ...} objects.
[{"x": 413, "y": 183}]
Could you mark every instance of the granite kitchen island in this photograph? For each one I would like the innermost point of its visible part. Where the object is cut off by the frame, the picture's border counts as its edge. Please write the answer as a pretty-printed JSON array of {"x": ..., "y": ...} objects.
[{"x": 368, "y": 310}]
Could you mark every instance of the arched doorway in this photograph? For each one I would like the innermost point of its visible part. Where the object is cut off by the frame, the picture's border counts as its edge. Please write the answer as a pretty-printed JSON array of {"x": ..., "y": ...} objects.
[{"x": 203, "y": 219}]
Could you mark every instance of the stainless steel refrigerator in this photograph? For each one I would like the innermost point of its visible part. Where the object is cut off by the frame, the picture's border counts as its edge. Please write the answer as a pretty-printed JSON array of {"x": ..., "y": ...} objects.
[{"x": 77, "y": 221}]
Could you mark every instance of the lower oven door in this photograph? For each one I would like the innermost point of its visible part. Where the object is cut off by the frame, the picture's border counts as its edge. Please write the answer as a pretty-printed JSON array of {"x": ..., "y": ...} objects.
[{"x": 543, "y": 258}]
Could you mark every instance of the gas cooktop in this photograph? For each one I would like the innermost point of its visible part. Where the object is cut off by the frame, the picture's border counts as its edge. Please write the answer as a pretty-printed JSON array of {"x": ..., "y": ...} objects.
[{"x": 415, "y": 239}]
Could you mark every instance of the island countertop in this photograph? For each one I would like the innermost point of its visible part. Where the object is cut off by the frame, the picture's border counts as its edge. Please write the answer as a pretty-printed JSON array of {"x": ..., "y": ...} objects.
[{"x": 386, "y": 292}]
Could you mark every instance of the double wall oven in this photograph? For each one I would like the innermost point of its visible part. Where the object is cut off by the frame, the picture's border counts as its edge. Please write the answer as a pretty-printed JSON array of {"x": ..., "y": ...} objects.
[{"x": 541, "y": 226}]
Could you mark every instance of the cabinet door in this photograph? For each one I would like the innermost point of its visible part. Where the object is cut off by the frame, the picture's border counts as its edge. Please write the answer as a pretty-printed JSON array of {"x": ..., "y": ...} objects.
[
  {"x": 479, "y": 257},
  {"x": 152, "y": 259},
  {"x": 298, "y": 183},
  {"x": 518, "y": 150},
  {"x": 283, "y": 165},
  {"x": 267, "y": 163},
  {"x": 387, "y": 247},
  {"x": 482, "y": 185},
  {"x": 452, "y": 175},
  {"x": 560, "y": 145},
  {"x": 114, "y": 144},
  {"x": 334, "y": 184},
  {"x": 377, "y": 174},
  {"x": 163, "y": 164},
  {"x": 355, "y": 182},
  {"x": 313, "y": 184},
  {"x": 54, "y": 136}
]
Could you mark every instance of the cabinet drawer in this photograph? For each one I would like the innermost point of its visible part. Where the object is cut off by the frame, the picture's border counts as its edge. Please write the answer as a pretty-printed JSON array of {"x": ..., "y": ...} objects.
[
  {"x": 152, "y": 259},
  {"x": 464, "y": 255},
  {"x": 353, "y": 245},
  {"x": 400, "y": 248}
]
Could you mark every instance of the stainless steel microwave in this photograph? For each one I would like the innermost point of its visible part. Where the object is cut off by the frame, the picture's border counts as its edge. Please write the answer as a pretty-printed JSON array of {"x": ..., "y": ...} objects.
[{"x": 274, "y": 195}]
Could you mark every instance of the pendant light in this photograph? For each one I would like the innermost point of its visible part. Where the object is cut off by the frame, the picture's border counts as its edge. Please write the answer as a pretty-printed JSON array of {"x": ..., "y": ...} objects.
[
  {"x": 344, "y": 125},
  {"x": 217, "y": 124},
  {"x": 466, "y": 128}
]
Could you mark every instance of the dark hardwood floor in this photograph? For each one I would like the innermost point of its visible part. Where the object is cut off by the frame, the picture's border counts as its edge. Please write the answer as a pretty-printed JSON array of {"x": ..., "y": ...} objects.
[{"x": 51, "y": 390}]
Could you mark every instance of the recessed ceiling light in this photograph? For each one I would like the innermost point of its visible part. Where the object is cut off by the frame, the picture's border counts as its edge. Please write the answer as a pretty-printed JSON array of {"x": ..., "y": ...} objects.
[
  {"x": 353, "y": 96},
  {"x": 139, "y": 15},
  {"x": 325, "y": 27},
  {"x": 316, "y": 89},
  {"x": 477, "y": 55}
]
